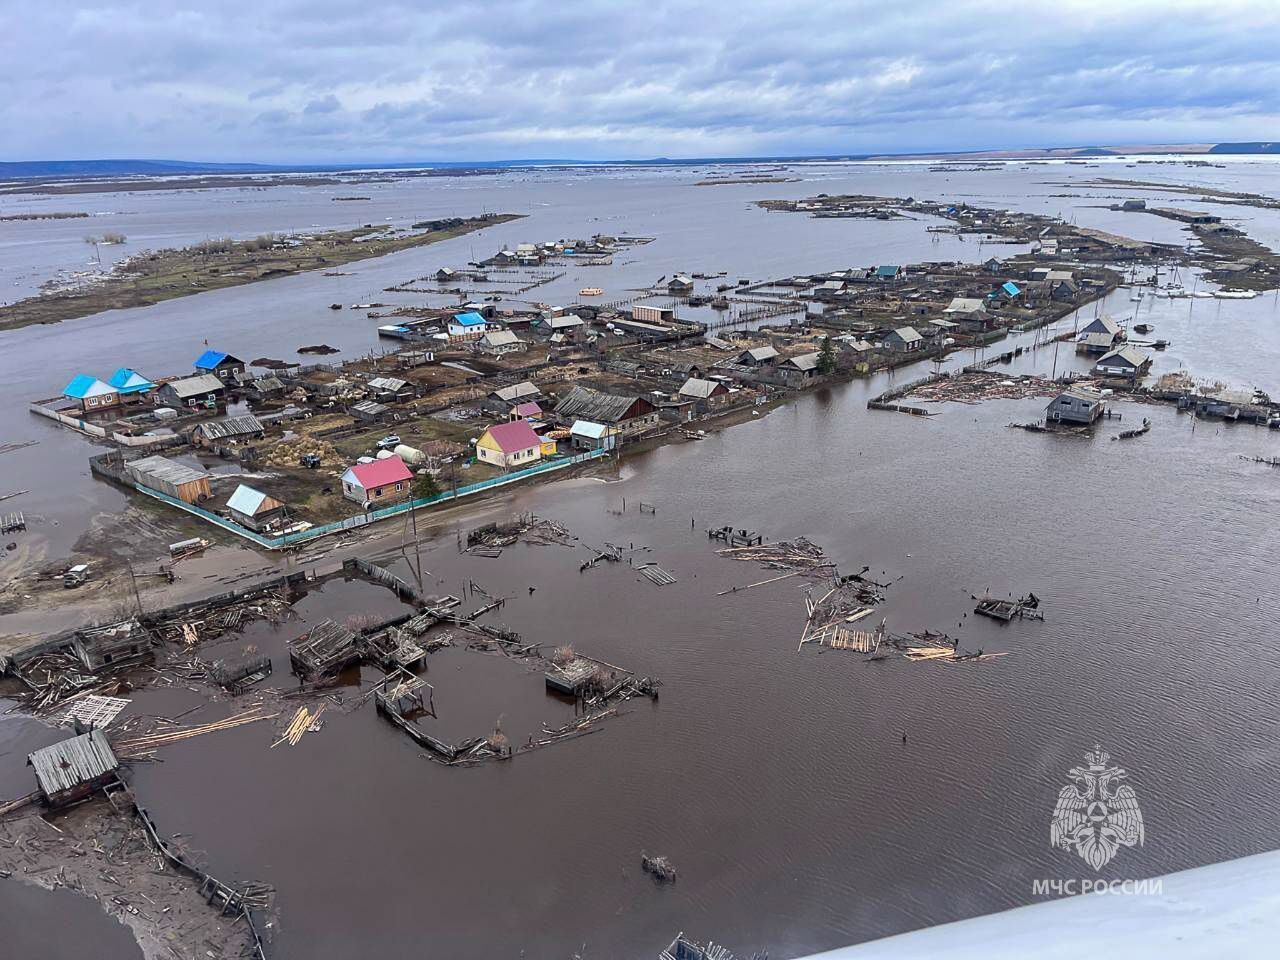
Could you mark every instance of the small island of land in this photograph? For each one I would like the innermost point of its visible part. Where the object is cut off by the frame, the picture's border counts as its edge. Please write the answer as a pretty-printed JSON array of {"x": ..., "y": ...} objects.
[{"x": 159, "y": 275}]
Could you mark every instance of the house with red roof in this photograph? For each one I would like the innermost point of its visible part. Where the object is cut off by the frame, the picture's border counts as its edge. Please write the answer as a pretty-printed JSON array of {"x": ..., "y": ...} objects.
[
  {"x": 377, "y": 483},
  {"x": 508, "y": 445}
]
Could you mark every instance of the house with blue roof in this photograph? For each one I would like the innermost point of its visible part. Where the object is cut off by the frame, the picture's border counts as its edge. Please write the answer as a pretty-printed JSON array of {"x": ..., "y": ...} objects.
[
  {"x": 888, "y": 272},
  {"x": 467, "y": 326},
  {"x": 92, "y": 393},
  {"x": 222, "y": 365},
  {"x": 129, "y": 382}
]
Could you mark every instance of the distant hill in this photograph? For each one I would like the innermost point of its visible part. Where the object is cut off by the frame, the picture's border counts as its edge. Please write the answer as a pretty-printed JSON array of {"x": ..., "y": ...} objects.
[
  {"x": 121, "y": 168},
  {"x": 1257, "y": 146}
]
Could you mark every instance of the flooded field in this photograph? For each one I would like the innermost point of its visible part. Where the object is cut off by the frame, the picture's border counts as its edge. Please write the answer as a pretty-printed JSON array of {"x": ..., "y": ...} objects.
[{"x": 808, "y": 798}]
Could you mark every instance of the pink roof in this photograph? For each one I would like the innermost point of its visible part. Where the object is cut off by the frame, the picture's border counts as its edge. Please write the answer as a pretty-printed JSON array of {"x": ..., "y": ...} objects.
[
  {"x": 529, "y": 409},
  {"x": 513, "y": 436},
  {"x": 380, "y": 473}
]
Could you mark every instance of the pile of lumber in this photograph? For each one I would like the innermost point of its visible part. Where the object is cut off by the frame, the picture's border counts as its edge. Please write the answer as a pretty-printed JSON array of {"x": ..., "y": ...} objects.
[
  {"x": 142, "y": 745},
  {"x": 799, "y": 554},
  {"x": 303, "y": 721}
]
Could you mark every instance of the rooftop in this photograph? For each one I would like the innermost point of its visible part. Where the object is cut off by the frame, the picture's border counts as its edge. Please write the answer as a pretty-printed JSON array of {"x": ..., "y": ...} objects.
[
  {"x": 513, "y": 436},
  {"x": 84, "y": 386},
  {"x": 379, "y": 473},
  {"x": 72, "y": 762},
  {"x": 251, "y": 502}
]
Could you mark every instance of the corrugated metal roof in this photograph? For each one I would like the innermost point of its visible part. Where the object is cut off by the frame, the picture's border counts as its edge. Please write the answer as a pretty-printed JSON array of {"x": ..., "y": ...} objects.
[
  {"x": 130, "y": 381},
  {"x": 585, "y": 428},
  {"x": 210, "y": 359},
  {"x": 908, "y": 334},
  {"x": 72, "y": 762},
  {"x": 759, "y": 354},
  {"x": 804, "y": 362},
  {"x": 251, "y": 502},
  {"x": 370, "y": 408},
  {"x": 162, "y": 468},
  {"x": 500, "y": 338},
  {"x": 513, "y": 436},
  {"x": 469, "y": 319},
  {"x": 583, "y": 403},
  {"x": 698, "y": 389},
  {"x": 1010, "y": 288},
  {"x": 517, "y": 391},
  {"x": 369, "y": 476},
  {"x": 230, "y": 427},
  {"x": 966, "y": 305},
  {"x": 388, "y": 384},
  {"x": 196, "y": 386},
  {"x": 1135, "y": 358}
]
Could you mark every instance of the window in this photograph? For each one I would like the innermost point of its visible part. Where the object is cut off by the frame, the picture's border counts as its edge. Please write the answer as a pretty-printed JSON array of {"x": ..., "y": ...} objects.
[
  {"x": 398, "y": 487},
  {"x": 377, "y": 492}
]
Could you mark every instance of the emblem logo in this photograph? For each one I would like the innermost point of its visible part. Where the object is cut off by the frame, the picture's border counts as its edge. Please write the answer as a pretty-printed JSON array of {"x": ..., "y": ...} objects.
[{"x": 1097, "y": 814}]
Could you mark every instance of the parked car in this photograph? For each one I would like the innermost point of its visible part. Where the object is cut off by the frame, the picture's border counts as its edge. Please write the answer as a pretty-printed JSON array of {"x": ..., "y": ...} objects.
[{"x": 389, "y": 442}]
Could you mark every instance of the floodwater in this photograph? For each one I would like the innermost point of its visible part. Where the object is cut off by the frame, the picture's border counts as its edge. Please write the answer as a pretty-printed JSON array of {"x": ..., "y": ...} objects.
[{"x": 778, "y": 781}]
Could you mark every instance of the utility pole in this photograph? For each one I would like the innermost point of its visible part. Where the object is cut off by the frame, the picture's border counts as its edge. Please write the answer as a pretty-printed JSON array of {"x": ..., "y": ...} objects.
[{"x": 133, "y": 580}]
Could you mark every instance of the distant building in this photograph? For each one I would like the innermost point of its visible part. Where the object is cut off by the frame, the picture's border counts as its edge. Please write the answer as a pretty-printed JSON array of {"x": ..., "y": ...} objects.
[
  {"x": 92, "y": 393},
  {"x": 680, "y": 286},
  {"x": 254, "y": 509},
  {"x": 1124, "y": 362},
  {"x": 631, "y": 415},
  {"x": 499, "y": 342},
  {"x": 230, "y": 429},
  {"x": 446, "y": 274},
  {"x": 466, "y": 326},
  {"x": 1075, "y": 405},
  {"x": 800, "y": 368},
  {"x": 904, "y": 340},
  {"x": 963, "y": 307},
  {"x": 130, "y": 383},
  {"x": 887, "y": 273},
  {"x": 222, "y": 365},
  {"x": 508, "y": 445},
  {"x": 758, "y": 357},
  {"x": 648, "y": 313},
  {"x": 1134, "y": 205},
  {"x": 205, "y": 390},
  {"x": 171, "y": 478},
  {"x": 389, "y": 389},
  {"x": 585, "y": 435},
  {"x": 378, "y": 483}
]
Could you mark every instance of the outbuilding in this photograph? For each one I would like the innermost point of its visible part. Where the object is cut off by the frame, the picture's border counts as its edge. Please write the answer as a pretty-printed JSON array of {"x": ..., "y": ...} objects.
[
  {"x": 71, "y": 770},
  {"x": 254, "y": 509},
  {"x": 171, "y": 478},
  {"x": 904, "y": 340},
  {"x": 585, "y": 435}
]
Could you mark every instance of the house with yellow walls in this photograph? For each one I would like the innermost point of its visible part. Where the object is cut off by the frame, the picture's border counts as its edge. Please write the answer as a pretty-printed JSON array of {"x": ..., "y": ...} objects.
[{"x": 510, "y": 445}]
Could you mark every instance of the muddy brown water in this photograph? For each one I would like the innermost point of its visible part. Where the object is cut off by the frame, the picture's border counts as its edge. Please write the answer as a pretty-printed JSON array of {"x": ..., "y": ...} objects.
[{"x": 777, "y": 780}]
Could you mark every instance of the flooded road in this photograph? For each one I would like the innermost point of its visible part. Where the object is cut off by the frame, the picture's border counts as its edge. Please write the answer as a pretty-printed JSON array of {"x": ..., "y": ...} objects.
[{"x": 778, "y": 781}]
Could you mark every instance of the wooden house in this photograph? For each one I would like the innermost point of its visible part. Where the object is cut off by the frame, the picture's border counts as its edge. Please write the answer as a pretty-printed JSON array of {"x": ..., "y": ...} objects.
[{"x": 73, "y": 769}]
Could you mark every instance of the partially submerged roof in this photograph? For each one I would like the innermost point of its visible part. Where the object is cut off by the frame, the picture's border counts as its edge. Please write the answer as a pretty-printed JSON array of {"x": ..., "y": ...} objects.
[
  {"x": 72, "y": 762},
  {"x": 513, "y": 436},
  {"x": 1126, "y": 355},
  {"x": 1087, "y": 394},
  {"x": 126, "y": 380},
  {"x": 83, "y": 387},
  {"x": 379, "y": 473},
  {"x": 251, "y": 502}
]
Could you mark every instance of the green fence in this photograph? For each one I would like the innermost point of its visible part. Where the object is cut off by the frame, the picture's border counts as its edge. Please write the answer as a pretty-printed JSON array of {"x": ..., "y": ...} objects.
[{"x": 373, "y": 516}]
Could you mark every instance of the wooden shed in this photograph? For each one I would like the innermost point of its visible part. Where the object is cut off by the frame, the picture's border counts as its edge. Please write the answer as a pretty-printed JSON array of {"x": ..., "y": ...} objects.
[{"x": 73, "y": 769}]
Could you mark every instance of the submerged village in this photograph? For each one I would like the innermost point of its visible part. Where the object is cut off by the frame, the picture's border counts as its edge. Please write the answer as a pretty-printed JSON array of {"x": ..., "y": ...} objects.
[{"x": 462, "y": 402}]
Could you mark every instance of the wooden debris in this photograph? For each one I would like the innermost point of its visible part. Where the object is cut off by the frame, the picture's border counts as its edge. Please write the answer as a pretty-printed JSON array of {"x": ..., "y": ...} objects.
[
  {"x": 661, "y": 868},
  {"x": 126, "y": 748}
]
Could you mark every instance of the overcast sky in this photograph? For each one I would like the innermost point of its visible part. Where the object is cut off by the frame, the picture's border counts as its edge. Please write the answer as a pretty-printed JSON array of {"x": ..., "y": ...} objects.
[{"x": 358, "y": 80}]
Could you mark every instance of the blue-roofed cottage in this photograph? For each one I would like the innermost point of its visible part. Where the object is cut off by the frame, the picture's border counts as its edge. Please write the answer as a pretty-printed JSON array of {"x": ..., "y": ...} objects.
[
  {"x": 466, "y": 326},
  {"x": 92, "y": 393},
  {"x": 222, "y": 365},
  {"x": 129, "y": 382}
]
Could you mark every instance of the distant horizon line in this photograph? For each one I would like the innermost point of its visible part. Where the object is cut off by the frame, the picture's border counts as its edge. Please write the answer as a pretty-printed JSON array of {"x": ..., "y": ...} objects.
[{"x": 140, "y": 165}]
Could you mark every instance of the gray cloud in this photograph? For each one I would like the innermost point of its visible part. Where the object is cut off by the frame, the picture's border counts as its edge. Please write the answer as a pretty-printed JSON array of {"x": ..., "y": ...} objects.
[{"x": 287, "y": 80}]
